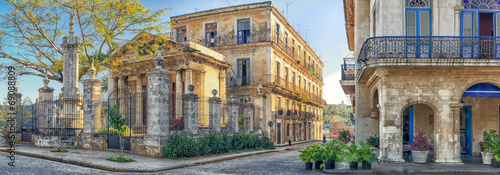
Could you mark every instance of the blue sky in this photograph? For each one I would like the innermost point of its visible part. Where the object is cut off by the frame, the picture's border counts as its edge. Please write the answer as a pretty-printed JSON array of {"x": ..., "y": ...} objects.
[{"x": 321, "y": 24}]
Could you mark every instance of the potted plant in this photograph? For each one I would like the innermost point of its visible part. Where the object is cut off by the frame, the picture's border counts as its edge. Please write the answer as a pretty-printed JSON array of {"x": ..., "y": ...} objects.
[
  {"x": 492, "y": 141},
  {"x": 367, "y": 155},
  {"x": 374, "y": 141},
  {"x": 330, "y": 154},
  {"x": 350, "y": 155},
  {"x": 486, "y": 154},
  {"x": 420, "y": 148},
  {"x": 317, "y": 156},
  {"x": 305, "y": 157}
]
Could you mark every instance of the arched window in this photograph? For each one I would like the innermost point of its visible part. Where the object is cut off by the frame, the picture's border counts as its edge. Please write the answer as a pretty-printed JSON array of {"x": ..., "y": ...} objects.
[
  {"x": 482, "y": 4},
  {"x": 418, "y": 18}
]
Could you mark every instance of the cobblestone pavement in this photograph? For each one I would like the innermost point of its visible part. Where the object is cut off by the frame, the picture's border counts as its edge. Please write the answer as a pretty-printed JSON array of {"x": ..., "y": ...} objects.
[{"x": 284, "y": 162}]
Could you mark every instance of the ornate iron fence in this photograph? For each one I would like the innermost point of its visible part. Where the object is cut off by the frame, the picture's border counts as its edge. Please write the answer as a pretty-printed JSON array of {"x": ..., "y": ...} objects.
[{"x": 430, "y": 47}]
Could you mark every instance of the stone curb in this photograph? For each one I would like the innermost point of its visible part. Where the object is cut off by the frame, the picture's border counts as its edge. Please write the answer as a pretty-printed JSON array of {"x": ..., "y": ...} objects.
[
  {"x": 296, "y": 143},
  {"x": 108, "y": 168}
]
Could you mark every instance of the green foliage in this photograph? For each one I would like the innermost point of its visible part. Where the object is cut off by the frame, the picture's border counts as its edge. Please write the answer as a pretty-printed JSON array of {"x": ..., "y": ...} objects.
[
  {"x": 374, "y": 141},
  {"x": 367, "y": 152},
  {"x": 114, "y": 132},
  {"x": 350, "y": 154},
  {"x": 306, "y": 155},
  {"x": 241, "y": 121},
  {"x": 115, "y": 119},
  {"x": 344, "y": 135},
  {"x": 331, "y": 150},
  {"x": 214, "y": 143},
  {"x": 104, "y": 84},
  {"x": 120, "y": 159},
  {"x": 180, "y": 145},
  {"x": 492, "y": 142},
  {"x": 343, "y": 112},
  {"x": 58, "y": 149}
]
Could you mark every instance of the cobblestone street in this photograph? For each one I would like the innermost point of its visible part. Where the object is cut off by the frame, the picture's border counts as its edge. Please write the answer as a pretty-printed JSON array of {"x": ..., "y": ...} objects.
[{"x": 284, "y": 162}]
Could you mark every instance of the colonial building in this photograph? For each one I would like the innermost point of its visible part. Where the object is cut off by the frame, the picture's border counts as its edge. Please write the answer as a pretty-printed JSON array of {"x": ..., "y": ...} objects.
[
  {"x": 187, "y": 62},
  {"x": 263, "y": 48},
  {"x": 425, "y": 65}
]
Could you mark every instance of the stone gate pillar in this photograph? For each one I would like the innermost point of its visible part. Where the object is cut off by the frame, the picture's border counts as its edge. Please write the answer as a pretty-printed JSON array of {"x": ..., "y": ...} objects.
[
  {"x": 447, "y": 144},
  {"x": 233, "y": 114},
  {"x": 45, "y": 108},
  {"x": 158, "y": 108},
  {"x": 214, "y": 112},
  {"x": 248, "y": 112},
  {"x": 191, "y": 111},
  {"x": 91, "y": 103}
]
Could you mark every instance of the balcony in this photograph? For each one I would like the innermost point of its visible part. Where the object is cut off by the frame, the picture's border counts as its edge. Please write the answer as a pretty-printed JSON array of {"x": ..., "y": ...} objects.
[
  {"x": 248, "y": 81},
  {"x": 291, "y": 52},
  {"x": 347, "y": 81},
  {"x": 455, "y": 47}
]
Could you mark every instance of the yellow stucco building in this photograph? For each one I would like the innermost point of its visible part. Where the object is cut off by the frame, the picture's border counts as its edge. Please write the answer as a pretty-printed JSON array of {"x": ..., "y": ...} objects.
[{"x": 263, "y": 48}]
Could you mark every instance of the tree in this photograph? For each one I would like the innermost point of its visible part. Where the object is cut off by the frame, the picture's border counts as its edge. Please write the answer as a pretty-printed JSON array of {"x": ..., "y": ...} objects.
[
  {"x": 116, "y": 121},
  {"x": 32, "y": 30}
]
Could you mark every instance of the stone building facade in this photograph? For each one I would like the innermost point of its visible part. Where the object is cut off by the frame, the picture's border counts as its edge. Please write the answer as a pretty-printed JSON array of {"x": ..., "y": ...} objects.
[
  {"x": 424, "y": 65},
  {"x": 263, "y": 49},
  {"x": 188, "y": 63}
]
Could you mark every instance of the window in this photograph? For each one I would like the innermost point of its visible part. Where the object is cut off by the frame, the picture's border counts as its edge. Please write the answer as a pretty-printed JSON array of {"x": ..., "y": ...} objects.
[
  {"x": 181, "y": 34},
  {"x": 299, "y": 82},
  {"x": 277, "y": 33},
  {"x": 286, "y": 74},
  {"x": 278, "y": 72},
  {"x": 293, "y": 78},
  {"x": 243, "y": 71},
  {"x": 299, "y": 53},
  {"x": 293, "y": 47},
  {"x": 418, "y": 18},
  {"x": 243, "y": 35},
  {"x": 211, "y": 37},
  {"x": 286, "y": 41}
]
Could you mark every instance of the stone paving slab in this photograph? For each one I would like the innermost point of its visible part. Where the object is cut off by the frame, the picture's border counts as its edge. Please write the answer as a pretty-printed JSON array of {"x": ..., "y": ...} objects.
[{"x": 97, "y": 159}]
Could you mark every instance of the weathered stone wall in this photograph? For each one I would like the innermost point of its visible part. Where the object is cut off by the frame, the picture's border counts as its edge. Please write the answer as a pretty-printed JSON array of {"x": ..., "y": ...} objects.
[
  {"x": 57, "y": 141},
  {"x": 484, "y": 117},
  {"x": 421, "y": 119}
]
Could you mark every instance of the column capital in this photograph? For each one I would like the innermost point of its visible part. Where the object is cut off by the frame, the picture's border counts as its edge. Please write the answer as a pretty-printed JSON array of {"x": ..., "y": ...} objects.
[{"x": 456, "y": 106}]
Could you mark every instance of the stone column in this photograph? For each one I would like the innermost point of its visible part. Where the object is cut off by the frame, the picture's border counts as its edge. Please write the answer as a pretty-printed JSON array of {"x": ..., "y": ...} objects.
[
  {"x": 458, "y": 9},
  {"x": 191, "y": 111},
  {"x": 91, "y": 104},
  {"x": 45, "y": 110},
  {"x": 248, "y": 112},
  {"x": 178, "y": 93},
  {"x": 158, "y": 108},
  {"x": 233, "y": 114},
  {"x": 447, "y": 145},
  {"x": 187, "y": 82},
  {"x": 138, "y": 103},
  {"x": 214, "y": 112}
]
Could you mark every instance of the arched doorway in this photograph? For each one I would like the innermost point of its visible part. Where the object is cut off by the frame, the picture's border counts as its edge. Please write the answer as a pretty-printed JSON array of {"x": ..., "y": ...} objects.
[
  {"x": 481, "y": 111},
  {"x": 418, "y": 117}
]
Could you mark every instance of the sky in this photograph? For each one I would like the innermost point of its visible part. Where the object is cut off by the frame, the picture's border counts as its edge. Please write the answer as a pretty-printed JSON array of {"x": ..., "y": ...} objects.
[{"x": 320, "y": 22}]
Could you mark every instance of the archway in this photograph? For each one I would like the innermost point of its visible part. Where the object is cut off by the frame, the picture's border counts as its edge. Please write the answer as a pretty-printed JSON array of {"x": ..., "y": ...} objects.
[
  {"x": 418, "y": 117},
  {"x": 481, "y": 111}
]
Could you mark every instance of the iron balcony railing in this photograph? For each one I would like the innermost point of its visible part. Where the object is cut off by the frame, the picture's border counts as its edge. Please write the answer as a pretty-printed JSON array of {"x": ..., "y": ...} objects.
[
  {"x": 480, "y": 47},
  {"x": 348, "y": 68}
]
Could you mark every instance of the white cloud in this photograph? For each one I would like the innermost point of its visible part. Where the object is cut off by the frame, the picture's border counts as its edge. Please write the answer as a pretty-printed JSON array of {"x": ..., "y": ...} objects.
[{"x": 332, "y": 90}]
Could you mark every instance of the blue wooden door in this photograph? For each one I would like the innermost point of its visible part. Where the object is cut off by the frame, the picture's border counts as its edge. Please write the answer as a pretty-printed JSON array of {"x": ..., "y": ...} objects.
[
  {"x": 468, "y": 127},
  {"x": 418, "y": 23},
  {"x": 469, "y": 30},
  {"x": 410, "y": 122}
]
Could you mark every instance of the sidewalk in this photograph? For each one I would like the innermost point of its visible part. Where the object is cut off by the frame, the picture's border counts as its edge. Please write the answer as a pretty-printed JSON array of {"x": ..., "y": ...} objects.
[
  {"x": 97, "y": 159},
  {"x": 474, "y": 166}
]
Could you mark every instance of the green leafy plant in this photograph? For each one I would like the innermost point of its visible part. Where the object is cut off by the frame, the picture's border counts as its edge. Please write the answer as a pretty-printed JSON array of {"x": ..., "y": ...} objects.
[
  {"x": 488, "y": 140},
  {"x": 116, "y": 121},
  {"x": 344, "y": 135},
  {"x": 367, "y": 152},
  {"x": 114, "y": 132},
  {"x": 59, "y": 149},
  {"x": 306, "y": 155},
  {"x": 241, "y": 121},
  {"x": 420, "y": 142},
  {"x": 351, "y": 154},
  {"x": 374, "y": 141},
  {"x": 179, "y": 145},
  {"x": 331, "y": 151},
  {"x": 120, "y": 159},
  {"x": 317, "y": 154}
]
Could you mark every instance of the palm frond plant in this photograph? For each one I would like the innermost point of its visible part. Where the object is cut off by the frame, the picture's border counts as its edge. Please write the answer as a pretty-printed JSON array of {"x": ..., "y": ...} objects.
[
  {"x": 306, "y": 156},
  {"x": 350, "y": 155},
  {"x": 331, "y": 154},
  {"x": 317, "y": 156},
  {"x": 367, "y": 155}
]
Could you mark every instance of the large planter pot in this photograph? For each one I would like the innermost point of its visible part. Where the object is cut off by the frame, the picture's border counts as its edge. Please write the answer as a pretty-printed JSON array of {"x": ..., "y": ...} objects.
[
  {"x": 495, "y": 163},
  {"x": 317, "y": 165},
  {"x": 309, "y": 165},
  {"x": 353, "y": 166},
  {"x": 366, "y": 165},
  {"x": 329, "y": 165},
  {"x": 486, "y": 158},
  {"x": 419, "y": 156}
]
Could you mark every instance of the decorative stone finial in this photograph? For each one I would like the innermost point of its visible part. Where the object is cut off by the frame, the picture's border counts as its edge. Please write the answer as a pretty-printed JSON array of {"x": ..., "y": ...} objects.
[
  {"x": 92, "y": 70},
  {"x": 214, "y": 92},
  {"x": 248, "y": 99},
  {"x": 233, "y": 98},
  {"x": 46, "y": 79},
  {"x": 65, "y": 40},
  {"x": 191, "y": 88},
  {"x": 71, "y": 23},
  {"x": 159, "y": 59}
]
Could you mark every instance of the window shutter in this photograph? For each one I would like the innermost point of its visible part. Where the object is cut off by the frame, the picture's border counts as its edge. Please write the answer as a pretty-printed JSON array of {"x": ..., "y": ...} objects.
[
  {"x": 497, "y": 15},
  {"x": 424, "y": 23},
  {"x": 467, "y": 24},
  {"x": 411, "y": 23}
]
